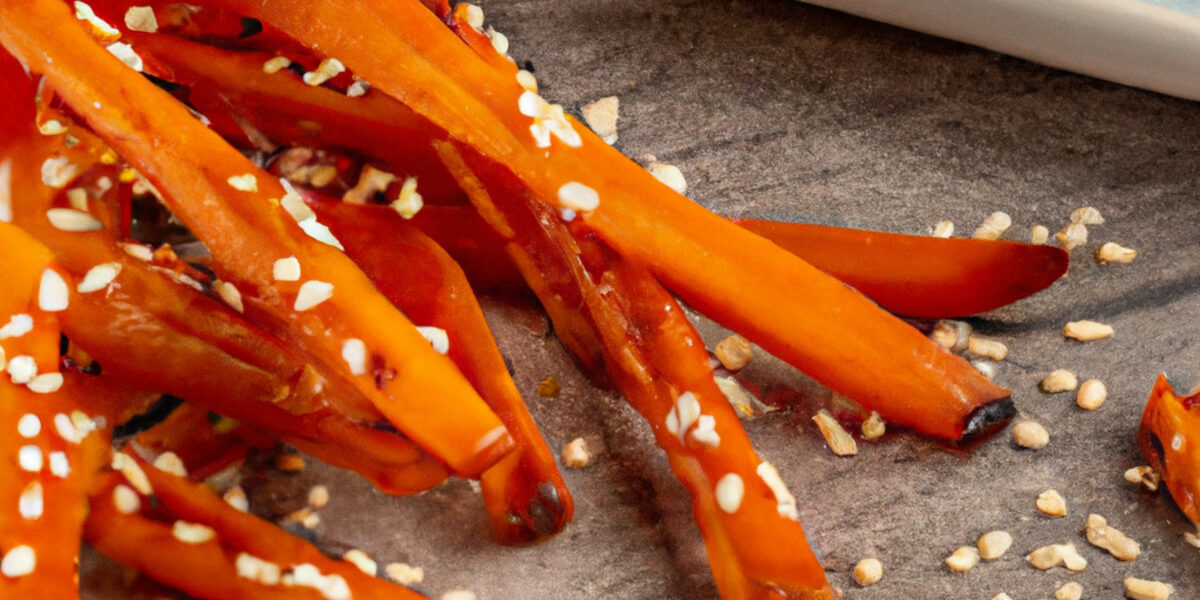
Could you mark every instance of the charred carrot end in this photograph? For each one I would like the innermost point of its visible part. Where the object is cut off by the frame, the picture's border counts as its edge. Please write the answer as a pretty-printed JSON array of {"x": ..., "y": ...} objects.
[
  {"x": 921, "y": 276},
  {"x": 334, "y": 304},
  {"x": 1169, "y": 437}
]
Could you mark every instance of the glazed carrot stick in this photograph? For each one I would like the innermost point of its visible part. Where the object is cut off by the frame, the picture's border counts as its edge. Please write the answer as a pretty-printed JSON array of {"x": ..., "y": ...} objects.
[
  {"x": 1169, "y": 437},
  {"x": 921, "y": 276},
  {"x": 756, "y": 548},
  {"x": 192, "y": 434},
  {"x": 230, "y": 555},
  {"x": 229, "y": 198},
  {"x": 737, "y": 278},
  {"x": 525, "y": 494}
]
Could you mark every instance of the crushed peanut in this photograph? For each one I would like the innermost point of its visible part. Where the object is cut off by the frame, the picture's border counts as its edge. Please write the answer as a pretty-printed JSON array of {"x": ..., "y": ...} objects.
[
  {"x": 404, "y": 574},
  {"x": 743, "y": 402},
  {"x": 839, "y": 441},
  {"x": 361, "y": 560},
  {"x": 192, "y": 533},
  {"x": 1144, "y": 589},
  {"x": 1039, "y": 235},
  {"x": 276, "y": 65},
  {"x": 868, "y": 571},
  {"x": 328, "y": 69},
  {"x": 290, "y": 463},
  {"x": 243, "y": 183},
  {"x": 993, "y": 226},
  {"x": 1101, "y": 535},
  {"x": 734, "y": 352},
  {"x": 1092, "y": 394},
  {"x": 1087, "y": 215},
  {"x": 549, "y": 387},
  {"x": 459, "y": 595},
  {"x": 601, "y": 116},
  {"x": 1192, "y": 539},
  {"x": 951, "y": 335},
  {"x": 1059, "y": 380},
  {"x": 1112, "y": 252},
  {"x": 1086, "y": 331},
  {"x": 1030, "y": 434},
  {"x": 1069, "y": 591},
  {"x": 171, "y": 463},
  {"x": 1048, "y": 557},
  {"x": 318, "y": 496},
  {"x": 1051, "y": 503},
  {"x": 994, "y": 544},
  {"x": 874, "y": 427},
  {"x": 370, "y": 181},
  {"x": 1001, "y": 596},
  {"x": 963, "y": 559},
  {"x": 1072, "y": 236},
  {"x": 256, "y": 569},
  {"x": 141, "y": 18},
  {"x": 669, "y": 175},
  {"x": 575, "y": 454},
  {"x": 409, "y": 202},
  {"x": 1144, "y": 476},
  {"x": 943, "y": 229},
  {"x": 988, "y": 348}
]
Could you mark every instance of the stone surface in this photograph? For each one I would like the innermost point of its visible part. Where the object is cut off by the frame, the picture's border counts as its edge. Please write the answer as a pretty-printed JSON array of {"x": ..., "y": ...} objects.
[{"x": 781, "y": 110}]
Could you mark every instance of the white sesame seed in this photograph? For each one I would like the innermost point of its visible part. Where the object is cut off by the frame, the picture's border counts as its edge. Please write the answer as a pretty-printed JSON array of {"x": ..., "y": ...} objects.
[
  {"x": 236, "y": 498},
  {"x": 578, "y": 197},
  {"x": 328, "y": 69},
  {"x": 532, "y": 105},
  {"x": 69, "y": 219},
  {"x": 67, "y": 430},
  {"x": 126, "y": 500},
  {"x": 30, "y": 458},
  {"x": 601, "y": 115},
  {"x": 459, "y": 595},
  {"x": 60, "y": 467},
  {"x": 133, "y": 473},
  {"x": 18, "y": 562},
  {"x": 499, "y": 40},
  {"x": 17, "y": 326},
  {"x": 361, "y": 560},
  {"x": 244, "y": 183},
  {"x": 22, "y": 369},
  {"x": 474, "y": 16},
  {"x": 98, "y": 277},
  {"x": 286, "y": 269},
  {"x": 141, "y": 18},
  {"x": 3, "y": 359},
  {"x": 53, "y": 295},
  {"x": 46, "y": 383},
  {"x": 1177, "y": 442},
  {"x": 705, "y": 432},
  {"x": 138, "y": 251},
  {"x": 57, "y": 172},
  {"x": 669, "y": 175},
  {"x": 52, "y": 127},
  {"x": 230, "y": 295},
  {"x": 943, "y": 229},
  {"x": 437, "y": 337},
  {"x": 256, "y": 569},
  {"x": 404, "y": 574},
  {"x": 84, "y": 12},
  {"x": 730, "y": 490},
  {"x": 29, "y": 426},
  {"x": 192, "y": 533},
  {"x": 170, "y": 462},
  {"x": 354, "y": 352},
  {"x": 276, "y": 65},
  {"x": 357, "y": 89},
  {"x": 527, "y": 80},
  {"x": 312, "y": 293},
  {"x": 31, "y": 503},
  {"x": 124, "y": 52},
  {"x": 785, "y": 502},
  {"x": 77, "y": 198}
]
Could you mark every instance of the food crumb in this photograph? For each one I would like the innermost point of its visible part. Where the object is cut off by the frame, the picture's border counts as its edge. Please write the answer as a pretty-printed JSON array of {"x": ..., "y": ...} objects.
[
  {"x": 575, "y": 454},
  {"x": 1112, "y": 252},
  {"x": 734, "y": 352},
  {"x": 1039, "y": 235},
  {"x": 1101, "y": 535},
  {"x": 1059, "y": 380},
  {"x": 874, "y": 427},
  {"x": 943, "y": 229},
  {"x": 1051, "y": 503},
  {"x": 963, "y": 559},
  {"x": 1144, "y": 476},
  {"x": 1086, "y": 331},
  {"x": 318, "y": 496},
  {"x": 289, "y": 463},
  {"x": 549, "y": 387},
  {"x": 1048, "y": 557},
  {"x": 987, "y": 348},
  {"x": 141, "y": 18},
  {"x": 839, "y": 441},
  {"x": 1030, "y": 434},
  {"x": 669, "y": 175},
  {"x": 868, "y": 571},
  {"x": 1072, "y": 236},
  {"x": 1087, "y": 215},
  {"x": 361, "y": 560},
  {"x": 601, "y": 116},
  {"x": 994, "y": 544},
  {"x": 1092, "y": 394},
  {"x": 404, "y": 574},
  {"x": 459, "y": 595},
  {"x": 1001, "y": 596},
  {"x": 993, "y": 226},
  {"x": 951, "y": 335},
  {"x": 1144, "y": 589},
  {"x": 1069, "y": 591}
]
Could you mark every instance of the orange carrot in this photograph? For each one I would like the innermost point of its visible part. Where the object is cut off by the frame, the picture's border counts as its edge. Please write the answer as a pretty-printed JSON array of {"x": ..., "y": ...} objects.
[{"x": 1169, "y": 437}]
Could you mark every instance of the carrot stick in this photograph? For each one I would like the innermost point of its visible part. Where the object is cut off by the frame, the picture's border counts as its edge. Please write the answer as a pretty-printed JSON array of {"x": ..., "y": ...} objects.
[
  {"x": 1169, "y": 437},
  {"x": 921, "y": 276},
  {"x": 404, "y": 374}
]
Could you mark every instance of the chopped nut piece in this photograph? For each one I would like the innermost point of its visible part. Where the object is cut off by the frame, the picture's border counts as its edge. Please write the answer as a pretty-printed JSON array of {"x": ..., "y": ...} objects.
[
  {"x": 1092, "y": 394},
  {"x": 943, "y": 229},
  {"x": 1059, "y": 380},
  {"x": 549, "y": 387},
  {"x": 126, "y": 500},
  {"x": 1069, "y": 591},
  {"x": 951, "y": 335},
  {"x": 276, "y": 64},
  {"x": 290, "y": 463},
  {"x": 98, "y": 277},
  {"x": 1030, "y": 434},
  {"x": 746, "y": 405},
  {"x": 459, "y": 595},
  {"x": 985, "y": 368},
  {"x": 578, "y": 197},
  {"x": 141, "y": 18},
  {"x": 256, "y": 569},
  {"x": 52, "y": 127},
  {"x": 868, "y": 571},
  {"x": 1143, "y": 475},
  {"x": 730, "y": 489},
  {"x": 370, "y": 181},
  {"x": 575, "y": 454},
  {"x": 1048, "y": 557},
  {"x": 734, "y": 352},
  {"x": 170, "y": 462},
  {"x": 984, "y": 347},
  {"x": 669, "y": 175},
  {"x": 286, "y": 269},
  {"x": 1143, "y": 589},
  {"x": 361, "y": 560},
  {"x": 1072, "y": 236},
  {"x": 236, "y": 498},
  {"x": 1101, "y": 535},
  {"x": 312, "y": 293},
  {"x": 1051, "y": 503},
  {"x": 1112, "y": 252},
  {"x": 1087, "y": 216},
  {"x": 994, "y": 226},
  {"x": 192, "y": 533},
  {"x": 244, "y": 183},
  {"x": 318, "y": 496},
  {"x": 874, "y": 427},
  {"x": 601, "y": 116},
  {"x": 839, "y": 441},
  {"x": 1193, "y": 539},
  {"x": 58, "y": 171},
  {"x": 963, "y": 559},
  {"x": 994, "y": 544},
  {"x": 1039, "y": 234},
  {"x": 404, "y": 574},
  {"x": 1086, "y": 331},
  {"x": 328, "y": 69},
  {"x": 409, "y": 202}
]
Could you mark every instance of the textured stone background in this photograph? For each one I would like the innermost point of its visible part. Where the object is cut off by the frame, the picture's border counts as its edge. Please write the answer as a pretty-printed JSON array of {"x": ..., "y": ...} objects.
[{"x": 778, "y": 109}]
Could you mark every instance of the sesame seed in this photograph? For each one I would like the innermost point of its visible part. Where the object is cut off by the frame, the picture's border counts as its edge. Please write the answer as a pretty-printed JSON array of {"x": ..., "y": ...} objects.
[
  {"x": 286, "y": 269},
  {"x": 669, "y": 175},
  {"x": 532, "y": 105},
  {"x": 67, "y": 430},
  {"x": 601, "y": 116},
  {"x": 18, "y": 562},
  {"x": 141, "y": 18},
  {"x": 59, "y": 466},
  {"x": 138, "y": 251},
  {"x": 312, "y": 293},
  {"x": 52, "y": 127},
  {"x": 230, "y": 295},
  {"x": 126, "y": 500},
  {"x": 17, "y": 326},
  {"x": 474, "y": 15},
  {"x": 192, "y": 533},
  {"x": 730, "y": 489},
  {"x": 6, "y": 191},
  {"x": 77, "y": 198},
  {"x": 98, "y": 277},
  {"x": 171, "y": 463},
  {"x": 276, "y": 65},
  {"x": 361, "y": 560},
  {"x": 30, "y": 458},
  {"x": 124, "y": 52},
  {"x": 22, "y": 369},
  {"x": 578, "y": 197},
  {"x": 705, "y": 432},
  {"x": 785, "y": 502},
  {"x": 83, "y": 12},
  {"x": 71, "y": 220},
  {"x": 46, "y": 383},
  {"x": 133, "y": 473},
  {"x": 29, "y": 425},
  {"x": 404, "y": 574},
  {"x": 499, "y": 41},
  {"x": 943, "y": 229},
  {"x": 236, "y": 498},
  {"x": 52, "y": 292},
  {"x": 244, "y": 183},
  {"x": 57, "y": 172},
  {"x": 458, "y": 595},
  {"x": 31, "y": 503},
  {"x": 357, "y": 89},
  {"x": 328, "y": 69},
  {"x": 527, "y": 80},
  {"x": 256, "y": 569},
  {"x": 437, "y": 337},
  {"x": 993, "y": 226},
  {"x": 354, "y": 352},
  {"x": 318, "y": 496}
]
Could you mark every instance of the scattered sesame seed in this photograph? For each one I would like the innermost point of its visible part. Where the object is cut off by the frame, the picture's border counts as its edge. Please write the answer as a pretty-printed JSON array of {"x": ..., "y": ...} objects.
[
  {"x": 730, "y": 490},
  {"x": 244, "y": 183},
  {"x": 328, "y": 69},
  {"x": 357, "y": 89},
  {"x": 669, "y": 175},
  {"x": 29, "y": 426},
  {"x": 404, "y": 574},
  {"x": 57, "y": 172},
  {"x": 169, "y": 462},
  {"x": 601, "y": 115},
  {"x": 575, "y": 454},
  {"x": 138, "y": 251},
  {"x": 256, "y": 569},
  {"x": 53, "y": 294},
  {"x": 785, "y": 502},
  {"x": 993, "y": 226},
  {"x": 459, "y": 595},
  {"x": 286, "y": 269},
  {"x": 126, "y": 500},
  {"x": 943, "y": 229},
  {"x": 236, "y": 498},
  {"x": 71, "y": 220},
  {"x": 230, "y": 295},
  {"x": 98, "y": 277},
  {"x": 437, "y": 337},
  {"x": 17, "y": 326},
  {"x": 361, "y": 560},
  {"x": 22, "y": 369},
  {"x": 124, "y": 52},
  {"x": 276, "y": 65},
  {"x": 46, "y": 383},
  {"x": 31, "y": 503},
  {"x": 578, "y": 197},
  {"x": 133, "y": 473},
  {"x": 354, "y": 352},
  {"x": 499, "y": 41},
  {"x": 312, "y": 293},
  {"x": 868, "y": 571},
  {"x": 19, "y": 561},
  {"x": 705, "y": 432},
  {"x": 192, "y": 533},
  {"x": 52, "y": 127},
  {"x": 83, "y": 12},
  {"x": 474, "y": 15},
  {"x": 68, "y": 430},
  {"x": 1086, "y": 331},
  {"x": 527, "y": 80},
  {"x": 30, "y": 458},
  {"x": 141, "y": 18},
  {"x": 6, "y": 191}
]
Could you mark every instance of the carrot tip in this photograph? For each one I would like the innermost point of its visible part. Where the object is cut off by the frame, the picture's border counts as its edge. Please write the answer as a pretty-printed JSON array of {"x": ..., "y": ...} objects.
[{"x": 987, "y": 417}]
